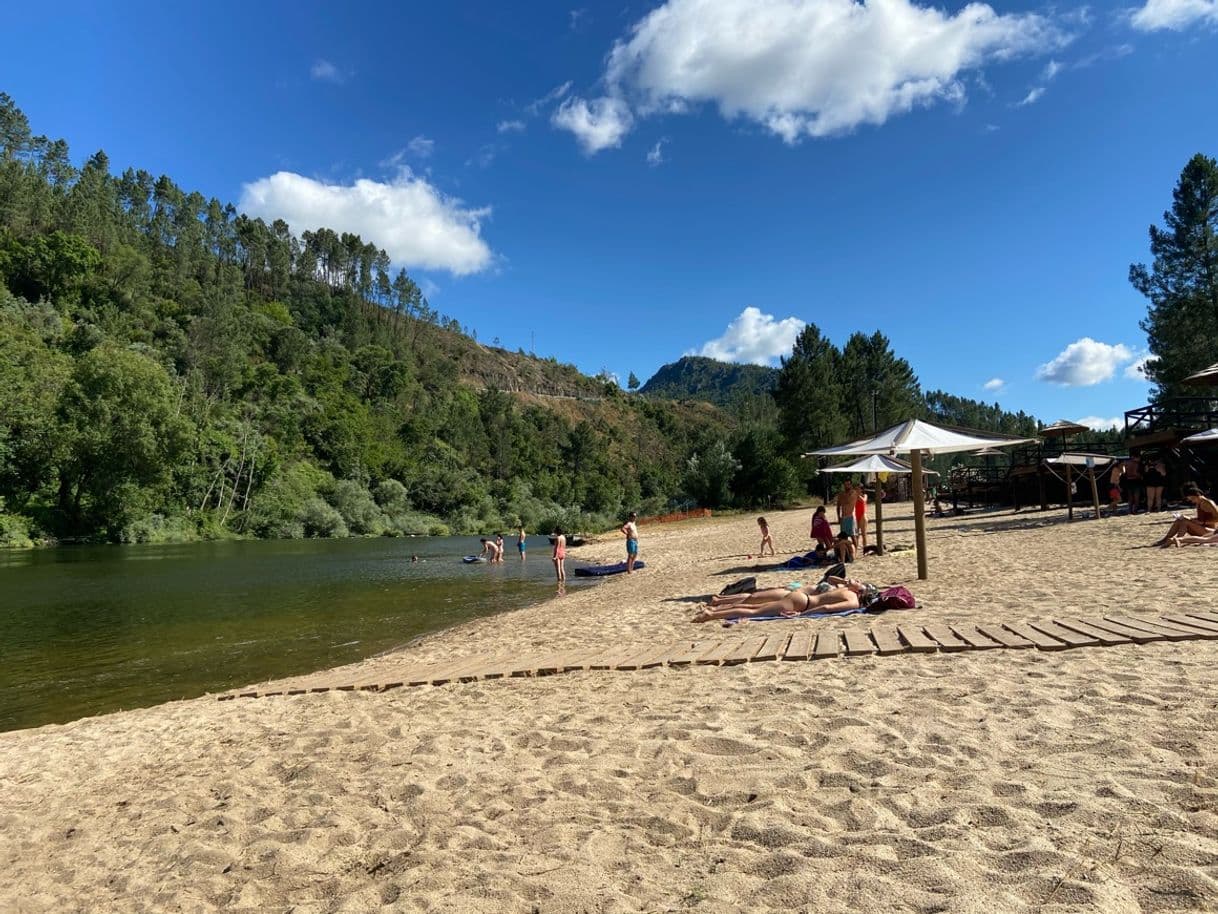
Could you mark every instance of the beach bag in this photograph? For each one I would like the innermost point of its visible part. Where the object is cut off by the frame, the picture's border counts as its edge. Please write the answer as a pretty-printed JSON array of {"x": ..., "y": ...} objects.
[
  {"x": 894, "y": 598},
  {"x": 744, "y": 585}
]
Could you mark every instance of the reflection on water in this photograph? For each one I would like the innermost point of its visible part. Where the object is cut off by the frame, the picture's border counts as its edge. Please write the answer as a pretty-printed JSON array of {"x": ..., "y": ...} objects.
[{"x": 88, "y": 630}]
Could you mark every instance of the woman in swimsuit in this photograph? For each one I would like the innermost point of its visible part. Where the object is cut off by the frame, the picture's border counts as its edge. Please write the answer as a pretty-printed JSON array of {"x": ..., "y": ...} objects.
[
  {"x": 843, "y": 594},
  {"x": 560, "y": 558},
  {"x": 1204, "y": 524}
]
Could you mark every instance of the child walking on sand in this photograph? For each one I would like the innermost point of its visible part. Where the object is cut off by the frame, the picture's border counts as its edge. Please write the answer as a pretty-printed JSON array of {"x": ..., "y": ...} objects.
[{"x": 765, "y": 537}]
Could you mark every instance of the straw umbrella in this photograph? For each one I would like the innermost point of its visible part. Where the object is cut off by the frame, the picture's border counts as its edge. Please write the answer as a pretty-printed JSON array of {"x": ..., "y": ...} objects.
[
  {"x": 915, "y": 438},
  {"x": 876, "y": 465},
  {"x": 1063, "y": 429}
]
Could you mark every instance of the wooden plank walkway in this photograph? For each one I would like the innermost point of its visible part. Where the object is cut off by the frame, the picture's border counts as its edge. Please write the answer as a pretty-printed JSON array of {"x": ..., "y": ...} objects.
[{"x": 805, "y": 643}]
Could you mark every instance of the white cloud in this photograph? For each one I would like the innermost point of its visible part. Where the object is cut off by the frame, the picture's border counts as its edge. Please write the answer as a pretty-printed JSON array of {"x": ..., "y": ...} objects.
[
  {"x": 421, "y": 147},
  {"x": 1136, "y": 371},
  {"x": 324, "y": 71},
  {"x": 553, "y": 95},
  {"x": 1174, "y": 14},
  {"x": 994, "y": 384},
  {"x": 1032, "y": 97},
  {"x": 416, "y": 224},
  {"x": 754, "y": 337},
  {"x": 598, "y": 124},
  {"x": 1100, "y": 424},
  {"x": 1085, "y": 362},
  {"x": 813, "y": 67},
  {"x": 655, "y": 155},
  {"x": 511, "y": 127},
  {"x": 1052, "y": 68}
]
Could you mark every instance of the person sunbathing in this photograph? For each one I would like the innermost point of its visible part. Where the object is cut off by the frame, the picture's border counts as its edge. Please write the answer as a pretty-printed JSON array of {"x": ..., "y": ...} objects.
[
  {"x": 1186, "y": 539},
  {"x": 1204, "y": 524},
  {"x": 833, "y": 595}
]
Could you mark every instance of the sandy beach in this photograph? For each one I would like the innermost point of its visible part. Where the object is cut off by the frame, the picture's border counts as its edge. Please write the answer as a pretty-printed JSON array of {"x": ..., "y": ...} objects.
[{"x": 1084, "y": 780}]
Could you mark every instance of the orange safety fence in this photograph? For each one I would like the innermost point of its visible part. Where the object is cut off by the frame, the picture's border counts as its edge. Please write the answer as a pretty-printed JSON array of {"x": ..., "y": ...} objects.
[{"x": 679, "y": 515}]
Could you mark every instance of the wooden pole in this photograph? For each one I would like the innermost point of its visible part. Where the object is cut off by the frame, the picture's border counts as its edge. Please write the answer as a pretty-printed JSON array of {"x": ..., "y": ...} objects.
[
  {"x": 1069, "y": 496},
  {"x": 919, "y": 513},
  {"x": 880, "y": 516},
  {"x": 1095, "y": 492}
]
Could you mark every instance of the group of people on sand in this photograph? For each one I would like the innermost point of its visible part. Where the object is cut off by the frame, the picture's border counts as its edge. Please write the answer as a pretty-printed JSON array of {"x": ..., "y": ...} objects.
[
  {"x": 1135, "y": 479},
  {"x": 630, "y": 530}
]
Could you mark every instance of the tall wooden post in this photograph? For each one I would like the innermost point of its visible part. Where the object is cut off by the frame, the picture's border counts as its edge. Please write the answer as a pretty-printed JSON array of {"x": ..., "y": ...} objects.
[
  {"x": 879, "y": 515},
  {"x": 1095, "y": 492},
  {"x": 1069, "y": 496},
  {"x": 919, "y": 513}
]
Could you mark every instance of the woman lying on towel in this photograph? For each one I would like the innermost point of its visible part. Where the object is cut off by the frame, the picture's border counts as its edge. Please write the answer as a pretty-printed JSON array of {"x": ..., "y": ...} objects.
[{"x": 833, "y": 595}]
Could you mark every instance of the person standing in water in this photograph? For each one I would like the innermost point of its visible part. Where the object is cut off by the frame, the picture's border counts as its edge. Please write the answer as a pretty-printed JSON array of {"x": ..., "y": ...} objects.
[
  {"x": 560, "y": 559},
  {"x": 630, "y": 530},
  {"x": 520, "y": 544}
]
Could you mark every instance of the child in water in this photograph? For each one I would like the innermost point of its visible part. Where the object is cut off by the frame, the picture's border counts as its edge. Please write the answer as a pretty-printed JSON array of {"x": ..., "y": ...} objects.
[{"x": 765, "y": 537}]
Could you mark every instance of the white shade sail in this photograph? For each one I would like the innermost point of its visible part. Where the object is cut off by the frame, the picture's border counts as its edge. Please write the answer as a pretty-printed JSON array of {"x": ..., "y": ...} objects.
[
  {"x": 875, "y": 463},
  {"x": 916, "y": 435},
  {"x": 1207, "y": 437},
  {"x": 1083, "y": 460}
]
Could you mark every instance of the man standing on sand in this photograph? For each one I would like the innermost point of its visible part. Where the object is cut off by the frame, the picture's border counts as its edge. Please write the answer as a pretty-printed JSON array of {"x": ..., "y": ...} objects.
[
  {"x": 630, "y": 530},
  {"x": 847, "y": 498}
]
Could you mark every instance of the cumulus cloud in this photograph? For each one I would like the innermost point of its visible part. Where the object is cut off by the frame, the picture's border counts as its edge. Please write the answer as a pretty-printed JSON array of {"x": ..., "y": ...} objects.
[
  {"x": 754, "y": 337},
  {"x": 1136, "y": 371},
  {"x": 598, "y": 124},
  {"x": 1100, "y": 424},
  {"x": 1174, "y": 14},
  {"x": 324, "y": 71},
  {"x": 814, "y": 68},
  {"x": 416, "y": 224},
  {"x": 1084, "y": 363},
  {"x": 994, "y": 384},
  {"x": 511, "y": 127}
]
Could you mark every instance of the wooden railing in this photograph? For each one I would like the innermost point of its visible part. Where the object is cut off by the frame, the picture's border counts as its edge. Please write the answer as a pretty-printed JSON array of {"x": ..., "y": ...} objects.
[{"x": 1177, "y": 413}]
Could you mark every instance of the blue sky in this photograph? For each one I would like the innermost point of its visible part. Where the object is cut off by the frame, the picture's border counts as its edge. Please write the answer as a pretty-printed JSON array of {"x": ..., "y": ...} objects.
[{"x": 622, "y": 184}]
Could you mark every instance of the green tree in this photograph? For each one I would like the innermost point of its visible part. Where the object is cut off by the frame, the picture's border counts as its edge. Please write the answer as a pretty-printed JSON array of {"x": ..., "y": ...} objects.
[
  {"x": 632, "y": 382},
  {"x": 1182, "y": 283},
  {"x": 808, "y": 394},
  {"x": 708, "y": 476},
  {"x": 119, "y": 436}
]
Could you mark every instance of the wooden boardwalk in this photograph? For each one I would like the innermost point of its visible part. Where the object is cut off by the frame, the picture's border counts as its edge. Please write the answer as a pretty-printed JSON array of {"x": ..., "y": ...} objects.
[{"x": 755, "y": 644}]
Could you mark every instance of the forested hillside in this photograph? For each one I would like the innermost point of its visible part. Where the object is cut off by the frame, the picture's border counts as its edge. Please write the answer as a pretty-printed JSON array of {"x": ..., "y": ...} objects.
[
  {"x": 171, "y": 369},
  {"x": 699, "y": 378}
]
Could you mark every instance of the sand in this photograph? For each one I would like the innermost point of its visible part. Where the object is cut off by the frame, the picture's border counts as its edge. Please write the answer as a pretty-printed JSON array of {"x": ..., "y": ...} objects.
[{"x": 1084, "y": 780}]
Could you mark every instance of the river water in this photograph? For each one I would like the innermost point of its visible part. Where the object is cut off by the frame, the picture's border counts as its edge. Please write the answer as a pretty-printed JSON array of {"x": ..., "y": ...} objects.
[{"x": 91, "y": 629}]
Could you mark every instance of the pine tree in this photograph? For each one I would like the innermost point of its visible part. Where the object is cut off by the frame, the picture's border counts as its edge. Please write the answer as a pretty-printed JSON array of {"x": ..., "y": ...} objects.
[{"x": 1182, "y": 284}]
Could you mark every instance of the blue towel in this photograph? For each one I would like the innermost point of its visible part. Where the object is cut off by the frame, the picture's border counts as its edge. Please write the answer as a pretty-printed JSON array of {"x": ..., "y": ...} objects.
[{"x": 807, "y": 615}]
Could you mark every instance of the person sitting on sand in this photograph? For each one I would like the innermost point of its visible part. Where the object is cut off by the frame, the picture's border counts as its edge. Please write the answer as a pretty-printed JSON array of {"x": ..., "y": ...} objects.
[
  {"x": 844, "y": 547},
  {"x": 766, "y": 540},
  {"x": 1205, "y": 522},
  {"x": 833, "y": 595},
  {"x": 821, "y": 531}
]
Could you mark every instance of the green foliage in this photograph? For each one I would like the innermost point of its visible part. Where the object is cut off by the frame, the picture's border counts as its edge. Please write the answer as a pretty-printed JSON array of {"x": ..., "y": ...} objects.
[
  {"x": 699, "y": 378},
  {"x": 708, "y": 475},
  {"x": 1182, "y": 283}
]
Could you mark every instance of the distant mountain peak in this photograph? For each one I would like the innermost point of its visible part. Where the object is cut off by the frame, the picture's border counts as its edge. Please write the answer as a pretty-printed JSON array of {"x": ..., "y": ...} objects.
[{"x": 696, "y": 377}]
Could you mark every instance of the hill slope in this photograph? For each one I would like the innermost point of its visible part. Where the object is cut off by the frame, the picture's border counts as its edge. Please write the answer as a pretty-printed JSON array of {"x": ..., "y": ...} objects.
[{"x": 696, "y": 377}]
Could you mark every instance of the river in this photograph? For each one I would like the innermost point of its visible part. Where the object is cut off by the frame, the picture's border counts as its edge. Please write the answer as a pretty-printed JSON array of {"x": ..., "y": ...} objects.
[{"x": 88, "y": 630}]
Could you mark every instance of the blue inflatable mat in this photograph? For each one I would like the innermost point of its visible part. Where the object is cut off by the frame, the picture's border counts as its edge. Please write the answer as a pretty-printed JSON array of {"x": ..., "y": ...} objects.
[
  {"x": 473, "y": 559},
  {"x": 599, "y": 571}
]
